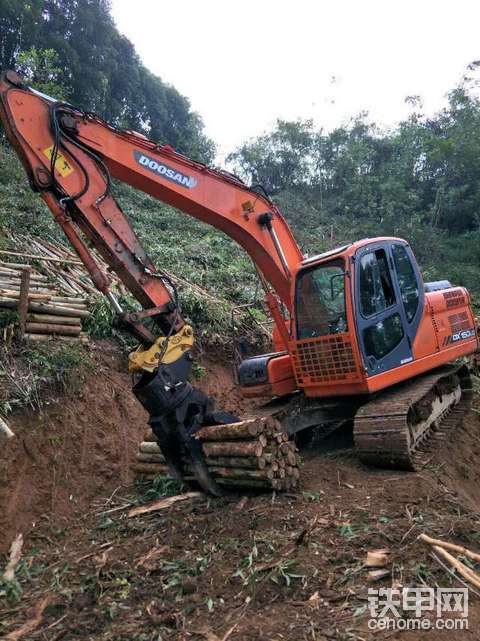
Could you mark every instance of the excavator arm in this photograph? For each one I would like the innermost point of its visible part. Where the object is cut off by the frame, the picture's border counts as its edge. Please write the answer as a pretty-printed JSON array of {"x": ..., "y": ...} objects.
[{"x": 70, "y": 157}]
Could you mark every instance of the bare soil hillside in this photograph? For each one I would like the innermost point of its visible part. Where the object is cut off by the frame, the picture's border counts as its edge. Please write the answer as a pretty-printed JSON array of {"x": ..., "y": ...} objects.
[{"x": 285, "y": 567}]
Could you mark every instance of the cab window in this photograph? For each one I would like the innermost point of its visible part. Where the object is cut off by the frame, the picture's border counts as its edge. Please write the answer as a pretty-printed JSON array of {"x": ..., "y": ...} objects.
[
  {"x": 320, "y": 301},
  {"x": 382, "y": 337},
  {"x": 376, "y": 290},
  {"x": 407, "y": 280}
]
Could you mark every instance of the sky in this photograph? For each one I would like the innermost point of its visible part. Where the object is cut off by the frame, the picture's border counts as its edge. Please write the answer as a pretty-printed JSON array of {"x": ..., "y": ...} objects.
[{"x": 244, "y": 64}]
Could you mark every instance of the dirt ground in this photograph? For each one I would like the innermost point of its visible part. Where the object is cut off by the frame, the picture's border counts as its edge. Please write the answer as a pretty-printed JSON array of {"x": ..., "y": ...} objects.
[
  {"x": 81, "y": 444},
  {"x": 284, "y": 567}
]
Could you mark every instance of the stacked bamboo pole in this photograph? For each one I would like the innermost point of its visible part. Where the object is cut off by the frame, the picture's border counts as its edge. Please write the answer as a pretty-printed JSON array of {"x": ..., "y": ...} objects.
[
  {"x": 43, "y": 311},
  {"x": 58, "y": 263},
  {"x": 253, "y": 453}
]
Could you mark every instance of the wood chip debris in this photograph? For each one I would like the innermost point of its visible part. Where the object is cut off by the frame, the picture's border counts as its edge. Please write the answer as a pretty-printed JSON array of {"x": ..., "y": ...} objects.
[
  {"x": 156, "y": 506},
  {"x": 377, "y": 558}
]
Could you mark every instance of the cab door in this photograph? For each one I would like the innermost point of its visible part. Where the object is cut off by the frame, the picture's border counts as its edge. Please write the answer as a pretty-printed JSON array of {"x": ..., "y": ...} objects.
[{"x": 382, "y": 325}]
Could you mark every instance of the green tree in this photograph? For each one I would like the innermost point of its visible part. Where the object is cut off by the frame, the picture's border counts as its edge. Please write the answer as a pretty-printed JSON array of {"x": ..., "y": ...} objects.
[
  {"x": 97, "y": 68},
  {"x": 40, "y": 68},
  {"x": 278, "y": 160}
]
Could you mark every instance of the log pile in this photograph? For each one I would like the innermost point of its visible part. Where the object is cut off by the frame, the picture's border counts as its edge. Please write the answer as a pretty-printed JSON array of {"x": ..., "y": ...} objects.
[
  {"x": 254, "y": 453},
  {"x": 43, "y": 311},
  {"x": 49, "y": 292}
]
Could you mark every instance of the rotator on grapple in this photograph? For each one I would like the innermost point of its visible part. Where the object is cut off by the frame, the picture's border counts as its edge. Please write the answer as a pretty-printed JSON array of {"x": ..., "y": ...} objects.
[{"x": 352, "y": 326}]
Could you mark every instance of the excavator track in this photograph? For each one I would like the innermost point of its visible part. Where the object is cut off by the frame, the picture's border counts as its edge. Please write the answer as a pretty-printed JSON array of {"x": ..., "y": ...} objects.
[{"x": 393, "y": 429}]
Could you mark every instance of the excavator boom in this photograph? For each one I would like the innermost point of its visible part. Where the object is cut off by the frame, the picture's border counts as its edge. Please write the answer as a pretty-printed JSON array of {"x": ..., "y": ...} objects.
[
  {"x": 86, "y": 152},
  {"x": 71, "y": 157}
]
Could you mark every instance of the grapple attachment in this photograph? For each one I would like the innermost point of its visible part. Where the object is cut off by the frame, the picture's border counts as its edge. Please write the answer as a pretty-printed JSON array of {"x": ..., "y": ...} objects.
[{"x": 177, "y": 410}]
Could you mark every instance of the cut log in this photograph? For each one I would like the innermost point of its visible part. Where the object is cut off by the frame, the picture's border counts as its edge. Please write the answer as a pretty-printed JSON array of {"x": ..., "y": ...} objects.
[
  {"x": 232, "y": 431},
  {"x": 246, "y": 483},
  {"x": 150, "y": 447},
  {"x": 156, "y": 457},
  {"x": 14, "y": 266},
  {"x": 15, "y": 276},
  {"x": 39, "y": 338},
  {"x": 236, "y": 473},
  {"x": 42, "y": 258},
  {"x": 70, "y": 299},
  {"x": 58, "y": 310},
  {"x": 233, "y": 448},
  {"x": 151, "y": 468},
  {"x": 51, "y": 328},
  {"x": 253, "y": 462},
  {"x": 23, "y": 301},
  {"x": 285, "y": 448},
  {"x": 291, "y": 458},
  {"x": 16, "y": 284},
  {"x": 10, "y": 293},
  {"x": 73, "y": 306},
  {"x": 55, "y": 320}
]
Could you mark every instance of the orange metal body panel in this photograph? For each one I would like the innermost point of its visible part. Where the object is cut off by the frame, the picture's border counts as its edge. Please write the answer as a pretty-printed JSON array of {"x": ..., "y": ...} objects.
[
  {"x": 333, "y": 365},
  {"x": 281, "y": 379}
]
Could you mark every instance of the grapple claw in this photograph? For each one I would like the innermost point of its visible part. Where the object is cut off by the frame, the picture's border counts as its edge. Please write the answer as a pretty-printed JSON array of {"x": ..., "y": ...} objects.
[{"x": 177, "y": 410}]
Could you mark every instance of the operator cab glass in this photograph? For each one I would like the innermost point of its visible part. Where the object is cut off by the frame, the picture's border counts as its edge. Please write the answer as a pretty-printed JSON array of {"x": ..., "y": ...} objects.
[{"x": 320, "y": 300}]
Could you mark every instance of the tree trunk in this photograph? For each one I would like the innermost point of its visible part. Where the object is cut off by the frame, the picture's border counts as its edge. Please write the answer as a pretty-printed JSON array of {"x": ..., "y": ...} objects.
[
  {"x": 233, "y": 448},
  {"x": 56, "y": 320},
  {"x": 150, "y": 447},
  {"x": 50, "y": 328},
  {"x": 231, "y": 431},
  {"x": 254, "y": 463}
]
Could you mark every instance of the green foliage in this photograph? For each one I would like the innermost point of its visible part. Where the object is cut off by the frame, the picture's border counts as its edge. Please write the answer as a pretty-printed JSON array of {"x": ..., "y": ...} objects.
[
  {"x": 45, "y": 366},
  {"x": 100, "y": 323},
  {"x": 420, "y": 181},
  {"x": 55, "y": 361},
  {"x": 8, "y": 317},
  {"x": 11, "y": 590},
  {"x": 161, "y": 486},
  {"x": 41, "y": 70},
  {"x": 76, "y": 46}
]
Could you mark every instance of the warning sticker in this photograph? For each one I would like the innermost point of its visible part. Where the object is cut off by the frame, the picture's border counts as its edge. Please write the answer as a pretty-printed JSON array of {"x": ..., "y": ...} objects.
[{"x": 62, "y": 165}]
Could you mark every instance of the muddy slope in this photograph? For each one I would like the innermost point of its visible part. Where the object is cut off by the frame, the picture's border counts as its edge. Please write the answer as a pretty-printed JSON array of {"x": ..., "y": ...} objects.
[{"x": 81, "y": 444}]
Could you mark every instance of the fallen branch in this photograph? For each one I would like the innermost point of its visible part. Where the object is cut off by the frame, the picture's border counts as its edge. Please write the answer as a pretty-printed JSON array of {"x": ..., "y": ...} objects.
[
  {"x": 15, "y": 555},
  {"x": 32, "y": 623},
  {"x": 450, "y": 546},
  {"x": 162, "y": 504},
  {"x": 67, "y": 261},
  {"x": 469, "y": 575}
]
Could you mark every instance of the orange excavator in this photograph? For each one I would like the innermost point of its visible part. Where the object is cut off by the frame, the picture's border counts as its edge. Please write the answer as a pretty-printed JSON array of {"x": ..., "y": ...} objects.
[{"x": 358, "y": 336}]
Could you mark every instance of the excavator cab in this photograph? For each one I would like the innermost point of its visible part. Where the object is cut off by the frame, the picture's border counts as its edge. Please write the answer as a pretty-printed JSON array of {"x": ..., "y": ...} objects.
[{"x": 364, "y": 320}]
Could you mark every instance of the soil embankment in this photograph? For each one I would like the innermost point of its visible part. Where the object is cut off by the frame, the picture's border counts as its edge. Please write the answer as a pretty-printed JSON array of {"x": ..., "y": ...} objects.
[{"x": 81, "y": 444}]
